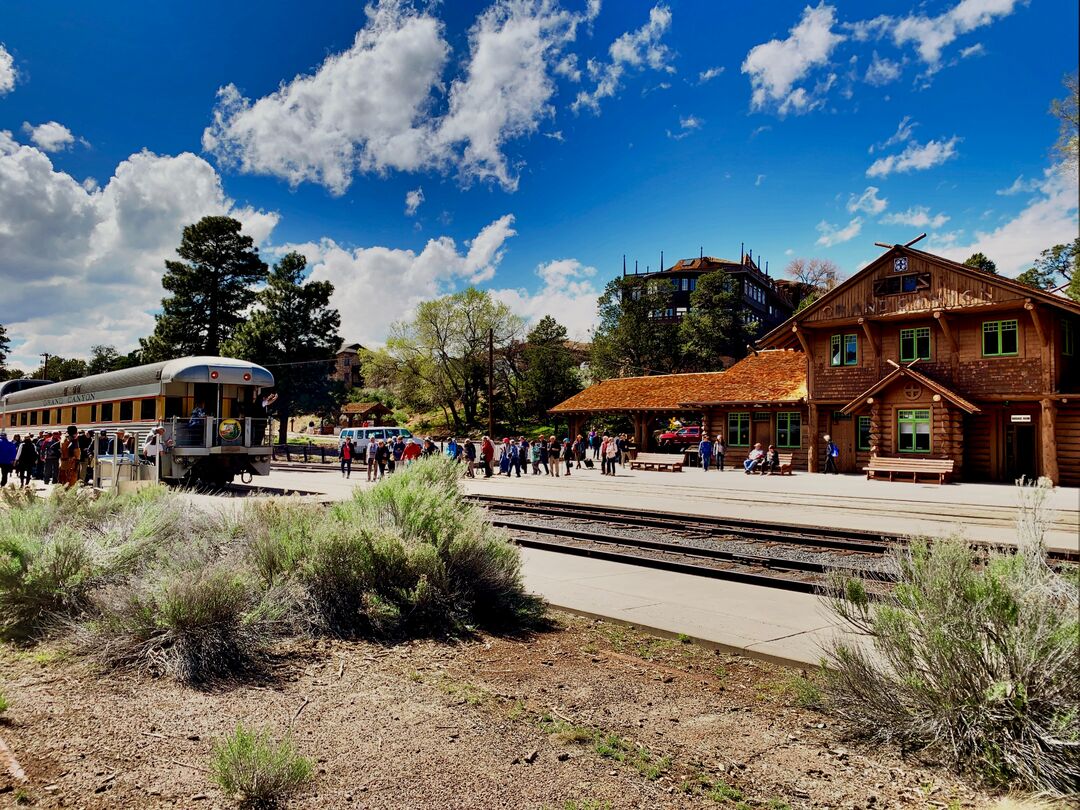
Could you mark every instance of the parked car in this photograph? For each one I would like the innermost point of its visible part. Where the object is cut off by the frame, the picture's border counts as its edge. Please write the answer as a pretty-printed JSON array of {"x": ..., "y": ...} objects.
[
  {"x": 361, "y": 436},
  {"x": 691, "y": 434}
]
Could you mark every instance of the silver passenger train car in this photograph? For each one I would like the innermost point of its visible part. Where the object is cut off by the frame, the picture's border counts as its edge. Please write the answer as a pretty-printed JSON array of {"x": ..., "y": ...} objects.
[{"x": 215, "y": 427}]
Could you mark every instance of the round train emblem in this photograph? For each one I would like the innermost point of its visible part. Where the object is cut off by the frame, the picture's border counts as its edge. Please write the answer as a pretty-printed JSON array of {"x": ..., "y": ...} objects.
[{"x": 229, "y": 430}]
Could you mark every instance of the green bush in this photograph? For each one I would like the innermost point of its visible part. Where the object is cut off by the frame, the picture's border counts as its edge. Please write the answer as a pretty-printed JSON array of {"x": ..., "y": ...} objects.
[
  {"x": 251, "y": 767},
  {"x": 979, "y": 659},
  {"x": 192, "y": 625},
  {"x": 4, "y": 704}
]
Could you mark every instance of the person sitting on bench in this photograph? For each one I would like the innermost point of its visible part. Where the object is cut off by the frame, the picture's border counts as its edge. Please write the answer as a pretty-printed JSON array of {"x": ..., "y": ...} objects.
[
  {"x": 771, "y": 464},
  {"x": 754, "y": 460}
]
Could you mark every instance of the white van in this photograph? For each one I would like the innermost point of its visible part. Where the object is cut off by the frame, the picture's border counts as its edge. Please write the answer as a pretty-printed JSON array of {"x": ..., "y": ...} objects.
[{"x": 362, "y": 436}]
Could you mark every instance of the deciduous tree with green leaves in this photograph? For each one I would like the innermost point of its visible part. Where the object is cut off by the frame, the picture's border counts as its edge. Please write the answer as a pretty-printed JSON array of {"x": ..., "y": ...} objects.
[
  {"x": 439, "y": 358},
  {"x": 294, "y": 331},
  {"x": 1055, "y": 266},
  {"x": 717, "y": 325},
  {"x": 981, "y": 262},
  {"x": 630, "y": 339},
  {"x": 550, "y": 374},
  {"x": 209, "y": 290}
]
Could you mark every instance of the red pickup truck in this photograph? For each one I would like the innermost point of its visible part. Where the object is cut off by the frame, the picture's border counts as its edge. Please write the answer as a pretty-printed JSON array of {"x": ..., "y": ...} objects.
[{"x": 691, "y": 434}]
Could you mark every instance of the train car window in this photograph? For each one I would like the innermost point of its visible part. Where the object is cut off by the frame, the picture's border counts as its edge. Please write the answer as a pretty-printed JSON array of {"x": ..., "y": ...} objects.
[
  {"x": 174, "y": 406},
  {"x": 73, "y": 420},
  {"x": 46, "y": 416},
  {"x": 127, "y": 408},
  {"x": 93, "y": 412},
  {"x": 106, "y": 411},
  {"x": 33, "y": 417},
  {"x": 59, "y": 415},
  {"x": 148, "y": 409},
  {"x": 23, "y": 417}
]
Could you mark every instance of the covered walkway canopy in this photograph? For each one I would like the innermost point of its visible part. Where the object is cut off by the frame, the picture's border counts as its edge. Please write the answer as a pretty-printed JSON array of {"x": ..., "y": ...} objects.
[{"x": 766, "y": 377}]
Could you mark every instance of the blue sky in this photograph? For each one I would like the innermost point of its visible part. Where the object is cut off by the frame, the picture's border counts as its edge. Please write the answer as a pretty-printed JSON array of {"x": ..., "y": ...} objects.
[{"x": 547, "y": 140}]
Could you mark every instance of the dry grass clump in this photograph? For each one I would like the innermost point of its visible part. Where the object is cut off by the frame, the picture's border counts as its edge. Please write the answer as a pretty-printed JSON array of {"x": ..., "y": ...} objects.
[
  {"x": 978, "y": 659},
  {"x": 256, "y": 770}
]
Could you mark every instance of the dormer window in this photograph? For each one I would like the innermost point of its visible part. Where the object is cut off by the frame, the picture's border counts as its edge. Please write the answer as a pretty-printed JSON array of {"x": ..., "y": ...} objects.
[{"x": 844, "y": 350}]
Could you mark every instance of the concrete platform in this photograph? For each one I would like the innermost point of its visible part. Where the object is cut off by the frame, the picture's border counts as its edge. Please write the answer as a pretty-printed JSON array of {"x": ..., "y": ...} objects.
[{"x": 789, "y": 628}]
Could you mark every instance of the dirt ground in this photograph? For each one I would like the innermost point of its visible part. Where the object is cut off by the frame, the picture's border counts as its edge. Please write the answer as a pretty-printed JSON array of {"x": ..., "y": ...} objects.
[{"x": 591, "y": 715}]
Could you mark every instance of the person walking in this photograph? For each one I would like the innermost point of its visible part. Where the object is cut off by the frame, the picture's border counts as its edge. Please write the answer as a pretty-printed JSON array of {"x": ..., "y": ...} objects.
[
  {"x": 534, "y": 456},
  {"x": 487, "y": 453},
  {"x": 413, "y": 450},
  {"x": 469, "y": 451},
  {"x": 705, "y": 452},
  {"x": 8, "y": 450},
  {"x": 372, "y": 462},
  {"x": 553, "y": 456},
  {"x": 51, "y": 452},
  {"x": 623, "y": 444},
  {"x": 579, "y": 450},
  {"x": 68, "y": 462},
  {"x": 832, "y": 453},
  {"x": 568, "y": 454},
  {"x": 612, "y": 454},
  {"x": 346, "y": 458},
  {"x": 26, "y": 458},
  {"x": 720, "y": 450},
  {"x": 603, "y": 454}
]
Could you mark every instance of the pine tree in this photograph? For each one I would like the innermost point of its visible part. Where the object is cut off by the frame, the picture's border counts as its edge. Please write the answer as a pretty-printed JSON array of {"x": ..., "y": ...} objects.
[
  {"x": 550, "y": 374},
  {"x": 632, "y": 337},
  {"x": 294, "y": 331},
  {"x": 210, "y": 290},
  {"x": 718, "y": 324},
  {"x": 981, "y": 262},
  {"x": 5, "y": 347}
]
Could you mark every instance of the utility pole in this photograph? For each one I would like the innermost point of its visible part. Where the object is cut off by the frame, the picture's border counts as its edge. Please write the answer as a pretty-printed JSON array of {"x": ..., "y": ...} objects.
[
  {"x": 491, "y": 384},
  {"x": 45, "y": 367}
]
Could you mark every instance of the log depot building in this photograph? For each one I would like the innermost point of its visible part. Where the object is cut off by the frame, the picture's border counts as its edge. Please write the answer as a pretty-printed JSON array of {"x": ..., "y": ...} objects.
[
  {"x": 920, "y": 356},
  {"x": 915, "y": 356}
]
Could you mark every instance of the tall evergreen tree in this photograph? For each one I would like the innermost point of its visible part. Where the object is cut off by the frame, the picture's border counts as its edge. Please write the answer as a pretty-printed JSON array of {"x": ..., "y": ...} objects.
[
  {"x": 550, "y": 374},
  {"x": 630, "y": 340},
  {"x": 982, "y": 262},
  {"x": 210, "y": 290},
  {"x": 293, "y": 330},
  {"x": 5, "y": 347},
  {"x": 718, "y": 324}
]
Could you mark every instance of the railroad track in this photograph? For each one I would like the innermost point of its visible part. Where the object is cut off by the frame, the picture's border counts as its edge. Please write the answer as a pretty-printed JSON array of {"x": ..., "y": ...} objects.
[{"x": 773, "y": 555}]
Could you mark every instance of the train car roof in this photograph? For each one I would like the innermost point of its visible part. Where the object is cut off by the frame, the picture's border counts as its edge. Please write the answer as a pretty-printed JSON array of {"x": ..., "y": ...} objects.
[
  {"x": 221, "y": 370},
  {"x": 21, "y": 384}
]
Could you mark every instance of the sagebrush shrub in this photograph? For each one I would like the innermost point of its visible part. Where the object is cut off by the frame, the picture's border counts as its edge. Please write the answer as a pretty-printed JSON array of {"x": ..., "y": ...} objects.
[
  {"x": 251, "y": 766},
  {"x": 978, "y": 658}
]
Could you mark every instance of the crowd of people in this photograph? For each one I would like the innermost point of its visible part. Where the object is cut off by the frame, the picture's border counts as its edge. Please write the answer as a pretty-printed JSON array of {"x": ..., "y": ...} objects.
[{"x": 67, "y": 457}]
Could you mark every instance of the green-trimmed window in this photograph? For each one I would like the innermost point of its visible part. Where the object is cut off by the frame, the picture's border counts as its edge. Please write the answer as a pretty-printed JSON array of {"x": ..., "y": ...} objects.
[
  {"x": 789, "y": 429},
  {"x": 1068, "y": 338},
  {"x": 864, "y": 433},
  {"x": 738, "y": 429},
  {"x": 913, "y": 430},
  {"x": 1000, "y": 338},
  {"x": 915, "y": 344},
  {"x": 844, "y": 350}
]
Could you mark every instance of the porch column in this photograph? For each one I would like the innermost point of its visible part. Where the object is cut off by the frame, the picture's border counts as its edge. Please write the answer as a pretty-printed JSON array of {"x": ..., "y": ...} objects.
[
  {"x": 1048, "y": 442},
  {"x": 811, "y": 450}
]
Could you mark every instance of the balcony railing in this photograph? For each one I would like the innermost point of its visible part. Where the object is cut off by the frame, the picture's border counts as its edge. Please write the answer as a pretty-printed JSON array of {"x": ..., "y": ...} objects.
[{"x": 210, "y": 431}]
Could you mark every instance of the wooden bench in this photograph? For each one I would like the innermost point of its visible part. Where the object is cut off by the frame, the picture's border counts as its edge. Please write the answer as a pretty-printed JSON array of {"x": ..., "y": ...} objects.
[
  {"x": 941, "y": 467},
  {"x": 785, "y": 466},
  {"x": 657, "y": 461}
]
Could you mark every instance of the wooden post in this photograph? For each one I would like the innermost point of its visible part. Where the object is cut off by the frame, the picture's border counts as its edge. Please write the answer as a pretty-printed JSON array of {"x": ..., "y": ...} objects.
[
  {"x": 1048, "y": 442},
  {"x": 871, "y": 338},
  {"x": 811, "y": 449}
]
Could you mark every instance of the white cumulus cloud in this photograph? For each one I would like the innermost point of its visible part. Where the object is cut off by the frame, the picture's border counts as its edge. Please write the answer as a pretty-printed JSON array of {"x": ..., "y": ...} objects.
[
  {"x": 398, "y": 278},
  {"x": 50, "y": 136},
  {"x": 566, "y": 293},
  {"x": 8, "y": 73},
  {"x": 710, "y": 74},
  {"x": 835, "y": 235},
  {"x": 868, "y": 202},
  {"x": 774, "y": 67},
  {"x": 81, "y": 266},
  {"x": 413, "y": 199},
  {"x": 882, "y": 71},
  {"x": 918, "y": 216},
  {"x": 931, "y": 35},
  {"x": 1020, "y": 186},
  {"x": 1048, "y": 219},
  {"x": 916, "y": 157},
  {"x": 635, "y": 50}
]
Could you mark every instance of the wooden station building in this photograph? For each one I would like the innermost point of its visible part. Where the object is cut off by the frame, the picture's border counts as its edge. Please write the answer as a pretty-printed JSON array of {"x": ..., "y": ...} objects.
[
  {"x": 919, "y": 356},
  {"x": 915, "y": 356}
]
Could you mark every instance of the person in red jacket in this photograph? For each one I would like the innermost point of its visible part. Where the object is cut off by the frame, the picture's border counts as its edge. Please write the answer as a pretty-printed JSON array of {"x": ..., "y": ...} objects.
[{"x": 487, "y": 453}]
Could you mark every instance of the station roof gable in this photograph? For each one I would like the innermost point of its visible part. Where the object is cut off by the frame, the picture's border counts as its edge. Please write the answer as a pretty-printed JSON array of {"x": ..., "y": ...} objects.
[
  {"x": 907, "y": 372},
  {"x": 938, "y": 284}
]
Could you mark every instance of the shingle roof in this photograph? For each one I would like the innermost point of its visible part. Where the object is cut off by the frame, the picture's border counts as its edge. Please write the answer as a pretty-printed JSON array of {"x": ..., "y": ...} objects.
[
  {"x": 777, "y": 375},
  {"x": 772, "y": 376},
  {"x": 365, "y": 408}
]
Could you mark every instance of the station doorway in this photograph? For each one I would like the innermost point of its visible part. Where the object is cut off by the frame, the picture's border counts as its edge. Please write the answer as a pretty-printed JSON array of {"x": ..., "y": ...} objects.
[{"x": 1020, "y": 457}]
